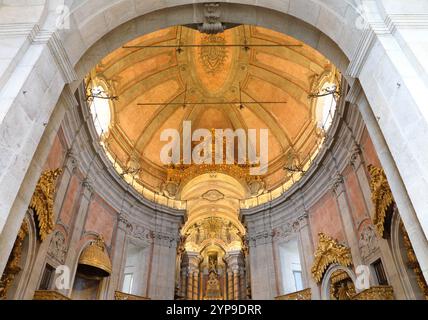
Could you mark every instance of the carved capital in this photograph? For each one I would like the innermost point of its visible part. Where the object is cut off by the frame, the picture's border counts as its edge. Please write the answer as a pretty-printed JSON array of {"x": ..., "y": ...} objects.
[
  {"x": 355, "y": 159},
  {"x": 337, "y": 184}
]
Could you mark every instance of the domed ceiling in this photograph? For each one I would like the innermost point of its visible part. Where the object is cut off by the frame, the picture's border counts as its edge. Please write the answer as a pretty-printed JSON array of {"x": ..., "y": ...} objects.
[{"x": 216, "y": 83}]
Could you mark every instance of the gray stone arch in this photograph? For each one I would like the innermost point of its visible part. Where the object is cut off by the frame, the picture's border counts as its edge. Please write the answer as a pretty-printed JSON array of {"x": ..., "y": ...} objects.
[
  {"x": 325, "y": 284},
  {"x": 329, "y": 27}
]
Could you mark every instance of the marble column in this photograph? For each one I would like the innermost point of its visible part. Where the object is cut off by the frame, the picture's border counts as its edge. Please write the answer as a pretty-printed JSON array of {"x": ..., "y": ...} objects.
[
  {"x": 230, "y": 295},
  {"x": 236, "y": 284},
  {"x": 183, "y": 281},
  {"x": 78, "y": 226},
  {"x": 358, "y": 164},
  {"x": 307, "y": 255},
  {"x": 347, "y": 219},
  {"x": 195, "y": 285},
  {"x": 243, "y": 288},
  {"x": 401, "y": 196},
  {"x": 190, "y": 284}
]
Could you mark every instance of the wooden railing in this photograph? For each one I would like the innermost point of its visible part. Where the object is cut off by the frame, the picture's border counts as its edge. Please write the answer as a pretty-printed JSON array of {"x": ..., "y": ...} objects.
[
  {"x": 376, "y": 293},
  {"x": 299, "y": 295}
]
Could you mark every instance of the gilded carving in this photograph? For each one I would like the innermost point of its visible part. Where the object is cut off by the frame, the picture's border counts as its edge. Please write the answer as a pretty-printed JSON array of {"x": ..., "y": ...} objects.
[
  {"x": 329, "y": 251},
  {"x": 13, "y": 266},
  {"x": 299, "y": 295},
  {"x": 49, "y": 295},
  {"x": 375, "y": 293},
  {"x": 126, "y": 296},
  {"x": 381, "y": 197},
  {"x": 43, "y": 202},
  {"x": 413, "y": 262},
  {"x": 341, "y": 286},
  {"x": 210, "y": 229}
]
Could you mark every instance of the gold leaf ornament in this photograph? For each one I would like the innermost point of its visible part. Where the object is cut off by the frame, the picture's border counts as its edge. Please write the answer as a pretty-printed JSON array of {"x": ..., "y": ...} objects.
[
  {"x": 329, "y": 251},
  {"x": 42, "y": 202},
  {"x": 381, "y": 197}
]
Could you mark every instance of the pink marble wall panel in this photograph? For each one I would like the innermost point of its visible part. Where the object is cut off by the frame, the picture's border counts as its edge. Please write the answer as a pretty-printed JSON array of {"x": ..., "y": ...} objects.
[
  {"x": 355, "y": 196},
  {"x": 101, "y": 219},
  {"x": 67, "y": 211},
  {"x": 325, "y": 217},
  {"x": 369, "y": 152}
]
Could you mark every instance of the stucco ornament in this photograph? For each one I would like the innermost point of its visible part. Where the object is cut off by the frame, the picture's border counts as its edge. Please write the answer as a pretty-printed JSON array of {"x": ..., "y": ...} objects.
[{"x": 381, "y": 197}]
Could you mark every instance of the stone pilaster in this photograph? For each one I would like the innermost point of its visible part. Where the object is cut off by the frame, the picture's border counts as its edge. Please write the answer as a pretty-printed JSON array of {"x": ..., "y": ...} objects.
[
  {"x": 307, "y": 255},
  {"x": 358, "y": 164},
  {"x": 119, "y": 258},
  {"x": 78, "y": 227},
  {"x": 347, "y": 219}
]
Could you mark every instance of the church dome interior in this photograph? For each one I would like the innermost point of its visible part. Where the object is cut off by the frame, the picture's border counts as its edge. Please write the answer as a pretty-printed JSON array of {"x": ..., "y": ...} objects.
[{"x": 234, "y": 150}]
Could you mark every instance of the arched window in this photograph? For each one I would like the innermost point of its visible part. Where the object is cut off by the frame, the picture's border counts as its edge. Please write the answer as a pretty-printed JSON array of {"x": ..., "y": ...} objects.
[
  {"x": 326, "y": 106},
  {"x": 291, "y": 268},
  {"x": 100, "y": 110}
]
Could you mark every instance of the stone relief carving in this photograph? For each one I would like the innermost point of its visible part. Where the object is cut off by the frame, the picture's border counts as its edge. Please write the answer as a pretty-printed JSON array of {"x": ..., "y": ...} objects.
[
  {"x": 367, "y": 242},
  {"x": 58, "y": 247},
  {"x": 290, "y": 227}
]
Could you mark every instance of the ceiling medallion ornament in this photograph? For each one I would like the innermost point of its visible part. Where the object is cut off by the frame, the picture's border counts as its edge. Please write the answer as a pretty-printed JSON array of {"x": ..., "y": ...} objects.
[
  {"x": 213, "y": 195},
  {"x": 381, "y": 197},
  {"x": 42, "y": 202},
  {"x": 213, "y": 52},
  {"x": 329, "y": 251}
]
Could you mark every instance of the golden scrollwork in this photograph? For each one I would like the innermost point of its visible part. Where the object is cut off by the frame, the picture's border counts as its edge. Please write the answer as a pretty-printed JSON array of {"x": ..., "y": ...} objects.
[
  {"x": 299, "y": 295},
  {"x": 381, "y": 197},
  {"x": 13, "y": 266},
  {"x": 413, "y": 262},
  {"x": 329, "y": 251},
  {"x": 49, "y": 295},
  {"x": 126, "y": 296},
  {"x": 42, "y": 202},
  {"x": 375, "y": 293}
]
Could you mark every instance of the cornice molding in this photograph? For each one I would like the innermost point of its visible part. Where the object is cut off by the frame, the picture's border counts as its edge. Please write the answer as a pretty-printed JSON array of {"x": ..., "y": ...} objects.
[
  {"x": 56, "y": 48},
  {"x": 406, "y": 21}
]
